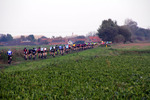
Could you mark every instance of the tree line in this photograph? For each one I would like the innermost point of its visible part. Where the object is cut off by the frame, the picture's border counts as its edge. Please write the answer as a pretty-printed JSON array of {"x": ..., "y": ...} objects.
[
  {"x": 110, "y": 31},
  {"x": 6, "y": 38}
]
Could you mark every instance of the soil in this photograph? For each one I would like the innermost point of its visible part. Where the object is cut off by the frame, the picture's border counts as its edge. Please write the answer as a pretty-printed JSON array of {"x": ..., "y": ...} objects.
[{"x": 138, "y": 45}]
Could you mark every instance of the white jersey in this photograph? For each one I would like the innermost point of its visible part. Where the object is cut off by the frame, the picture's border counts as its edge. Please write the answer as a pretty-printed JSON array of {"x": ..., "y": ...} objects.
[
  {"x": 50, "y": 48},
  {"x": 9, "y": 52},
  {"x": 41, "y": 49}
]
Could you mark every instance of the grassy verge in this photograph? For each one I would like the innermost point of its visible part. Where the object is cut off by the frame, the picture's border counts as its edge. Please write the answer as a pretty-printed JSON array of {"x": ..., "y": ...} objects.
[{"x": 100, "y": 73}]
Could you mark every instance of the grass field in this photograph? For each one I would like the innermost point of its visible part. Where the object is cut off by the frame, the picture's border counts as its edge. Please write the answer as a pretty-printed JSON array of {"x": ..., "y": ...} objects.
[{"x": 99, "y": 73}]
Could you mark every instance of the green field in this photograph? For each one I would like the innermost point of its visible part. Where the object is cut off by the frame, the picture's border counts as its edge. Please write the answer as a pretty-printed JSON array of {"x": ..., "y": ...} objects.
[{"x": 99, "y": 73}]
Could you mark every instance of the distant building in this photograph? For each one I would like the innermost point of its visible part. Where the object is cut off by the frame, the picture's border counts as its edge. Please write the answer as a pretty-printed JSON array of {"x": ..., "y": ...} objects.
[
  {"x": 26, "y": 41},
  {"x": 58, "y": 41},
  {"x": 77, "y": 39},
  {"x": 70, "y": 42},
  {"x": 93, "y": 39}
]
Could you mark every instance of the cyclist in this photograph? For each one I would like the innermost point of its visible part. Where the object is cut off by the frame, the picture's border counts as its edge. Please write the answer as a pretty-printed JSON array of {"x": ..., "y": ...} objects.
[
  {"x": 67, "y": 48},
  {"x": 39, "y": 52},
  {"x": 50, "y": 50},
  {"x": 33, "y": 53},
  {"x": 30, "y": 54},
  {"x": 56, "y": 48},
  {"x": 78, "y": 46},
  {"x": 86, "y": 46},
  {"x": 9, "y": 53},
  {"x": 89, "y": 46},
  {"x": 53, "y": 51},
  {"x": 82, "y": 45},
  {"x": 61, "y": 49},
  {"x": 42, "y": 50},
  {"x": 92, "y": 44},
  {"x": 36, "y": 52},
  {"x": 25, "y": 53},
  {"x": 45, "y": 52},
  {"x": 74, "y": 46}
]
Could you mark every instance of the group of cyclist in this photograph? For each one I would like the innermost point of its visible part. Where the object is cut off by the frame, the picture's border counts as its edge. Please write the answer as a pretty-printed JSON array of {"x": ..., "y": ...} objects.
[{"x": 53, "y": 50}]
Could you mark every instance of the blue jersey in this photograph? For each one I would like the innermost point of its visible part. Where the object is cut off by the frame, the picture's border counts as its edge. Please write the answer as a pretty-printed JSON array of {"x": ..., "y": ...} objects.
[
  {"x": 67, "y": 46},
  {"x": 9, "y": 53},
  {"x": 60, "y": 47}
]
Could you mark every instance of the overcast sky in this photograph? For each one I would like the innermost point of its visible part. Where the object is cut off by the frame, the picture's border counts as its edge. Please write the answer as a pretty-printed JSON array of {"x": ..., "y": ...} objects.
[{"x": 64, "y": 17}]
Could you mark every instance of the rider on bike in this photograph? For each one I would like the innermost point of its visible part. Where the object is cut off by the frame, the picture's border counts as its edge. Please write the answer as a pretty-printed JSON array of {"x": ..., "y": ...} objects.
[
  {"x": 61, "y": 49},
  {"x": 67, "y": 48},
  {"x": 25, "y": 53},
  {"x": 9, "y": 53},
  {"x": 56, "y": 48},
  {"x": 33, "y": 53},
  {"x": 53, "y": 51},
  {"x": 39, "y": 52},
  {"x": 74, "y": 46},
  {"x": 50, "y": 52},
  {"x": 45, "y": 52},
  {"x": 30, "y": 54},
  {"x": 42, "y": 50}
]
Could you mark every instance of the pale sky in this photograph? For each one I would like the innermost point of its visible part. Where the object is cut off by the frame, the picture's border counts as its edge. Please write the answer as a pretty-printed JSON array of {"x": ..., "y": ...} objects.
[{"x": 64, "y": 17}]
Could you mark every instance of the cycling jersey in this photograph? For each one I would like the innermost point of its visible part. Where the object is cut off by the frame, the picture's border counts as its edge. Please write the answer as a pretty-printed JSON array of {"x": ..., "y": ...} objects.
[
  {"x": 82, "y": 45},
  {"x": 35, "y": 49},
  {"x": 42, "y": 49},
  {"x": 67, "y": 47},
  {"x": 9, "y": 53},
  {"x": 25, "y": 51},
  {"x": 78, "y": 45},
  {"x": 60, "y": 47},
  {"x": 57, "y": 47},
  {"x": 50, "y": 48},
  {"x": 74, "y": 45},
  {"x": 45, "y": 49},
  {"x": 39, "y": 50},
  {"x": 33, "y": 52}
]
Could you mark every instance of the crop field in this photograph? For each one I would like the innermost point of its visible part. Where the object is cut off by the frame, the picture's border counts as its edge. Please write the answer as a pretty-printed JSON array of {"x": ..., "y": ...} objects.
[{"x": 99, "y": 73}]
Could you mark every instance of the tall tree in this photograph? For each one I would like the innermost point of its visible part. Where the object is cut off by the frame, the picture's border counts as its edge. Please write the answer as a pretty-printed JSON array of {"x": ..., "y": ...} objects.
[
  {"x": 31, "y": 37},
  {"x": 108, "y": 30},
  {"x": 5, "y": 38},
  {"x": 23, "y": 37},
  {"x": 9, "y": 37},
  {"x": 138, "y": 33},
  {"x": 125, "y": 32}
]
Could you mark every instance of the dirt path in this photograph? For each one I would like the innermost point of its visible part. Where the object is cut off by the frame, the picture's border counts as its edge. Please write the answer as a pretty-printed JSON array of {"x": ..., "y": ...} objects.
[{"x": 130, "y": 45}]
